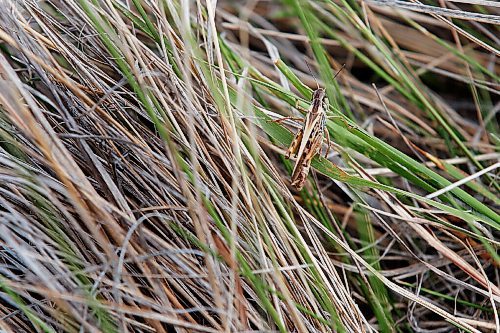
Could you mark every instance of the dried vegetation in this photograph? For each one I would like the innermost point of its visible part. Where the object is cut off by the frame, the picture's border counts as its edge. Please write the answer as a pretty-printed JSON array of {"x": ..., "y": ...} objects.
[{"x": 143, "y": 186}]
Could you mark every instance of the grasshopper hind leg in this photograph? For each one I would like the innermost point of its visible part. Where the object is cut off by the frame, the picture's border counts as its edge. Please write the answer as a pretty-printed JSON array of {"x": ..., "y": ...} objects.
[
  {"x": 294, "y": 146},
  {"x": 327, "y": 135}
]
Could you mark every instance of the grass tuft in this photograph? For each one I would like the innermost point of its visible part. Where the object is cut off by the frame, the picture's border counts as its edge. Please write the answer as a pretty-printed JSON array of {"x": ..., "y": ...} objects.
[{"x": 143, "y": 184}]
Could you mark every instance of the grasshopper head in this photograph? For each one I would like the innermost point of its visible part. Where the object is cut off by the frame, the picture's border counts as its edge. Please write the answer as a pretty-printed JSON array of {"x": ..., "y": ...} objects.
[
  {"x": 319, "y": 101},
  {"x": 319, "y": 94}
]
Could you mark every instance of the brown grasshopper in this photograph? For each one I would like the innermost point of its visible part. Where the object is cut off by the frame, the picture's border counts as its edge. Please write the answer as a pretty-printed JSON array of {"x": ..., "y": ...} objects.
[{"x": 308, "y": 140}]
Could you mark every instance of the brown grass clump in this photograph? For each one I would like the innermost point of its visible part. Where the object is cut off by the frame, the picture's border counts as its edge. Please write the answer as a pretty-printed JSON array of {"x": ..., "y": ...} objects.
[{"x": 143, "y": 186}]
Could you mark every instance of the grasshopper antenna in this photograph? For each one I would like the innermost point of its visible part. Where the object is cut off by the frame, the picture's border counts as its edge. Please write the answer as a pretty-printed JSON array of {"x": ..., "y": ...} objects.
[
  {"x": 310, "y": 71},
  {"x": 338, "y": 72}
]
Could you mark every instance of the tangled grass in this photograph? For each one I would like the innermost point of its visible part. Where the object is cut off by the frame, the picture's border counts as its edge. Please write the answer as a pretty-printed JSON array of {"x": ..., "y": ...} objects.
[{"x": 143, "y": 186}]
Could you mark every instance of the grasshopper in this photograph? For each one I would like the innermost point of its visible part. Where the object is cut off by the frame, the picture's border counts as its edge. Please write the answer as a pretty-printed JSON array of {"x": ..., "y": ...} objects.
[{"x": 308, "y": 140}]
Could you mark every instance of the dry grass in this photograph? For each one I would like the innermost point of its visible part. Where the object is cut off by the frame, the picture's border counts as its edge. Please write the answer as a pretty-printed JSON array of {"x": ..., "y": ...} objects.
[{"x": 143, "y": 188}]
